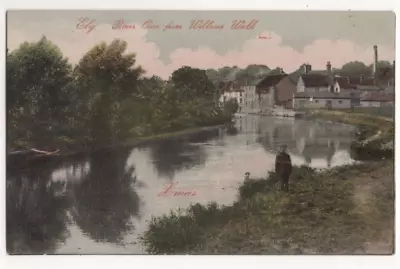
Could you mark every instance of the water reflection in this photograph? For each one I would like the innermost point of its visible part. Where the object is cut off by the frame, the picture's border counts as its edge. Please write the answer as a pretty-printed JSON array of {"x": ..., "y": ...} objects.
[
  {"x": 104, "y": 201},
  {"x": 308, "y": 140},
  {"x": 99, "y": 204},
  {"x": 173, "y": 155},
  {"x": 36, "y": 219}
]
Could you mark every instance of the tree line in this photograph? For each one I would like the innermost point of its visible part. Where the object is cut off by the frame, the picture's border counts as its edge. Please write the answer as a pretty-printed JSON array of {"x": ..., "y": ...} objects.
[
  {"x": 255, "y": 72},
  {"x": 103, "y": 99}
]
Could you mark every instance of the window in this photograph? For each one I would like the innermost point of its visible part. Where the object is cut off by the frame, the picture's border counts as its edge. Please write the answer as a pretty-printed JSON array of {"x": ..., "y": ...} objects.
[
  {"x": 241, "y": 100},
  {"x": 316, "y": 101},
  {"x": 240, "y": 94},
  {"x": 340, "y": 101}
]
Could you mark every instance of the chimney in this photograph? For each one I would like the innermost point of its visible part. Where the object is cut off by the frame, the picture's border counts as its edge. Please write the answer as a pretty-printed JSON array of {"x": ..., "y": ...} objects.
[
  {"x": 375, "y": 65},
  {"x": 308, "y": 68},
  {"x": 305, "y": 68},
  {"x": 329, "y": 67}
]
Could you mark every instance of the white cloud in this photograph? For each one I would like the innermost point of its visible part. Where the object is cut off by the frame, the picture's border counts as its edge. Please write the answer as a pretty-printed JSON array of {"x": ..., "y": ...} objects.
[{"x": 75, "y": 43}]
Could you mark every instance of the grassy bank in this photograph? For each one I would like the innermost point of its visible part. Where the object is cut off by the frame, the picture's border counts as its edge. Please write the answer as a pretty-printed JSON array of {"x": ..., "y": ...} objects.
[
  {"x": 342, "y": 211},
  {"x": 345, "y": 210}
]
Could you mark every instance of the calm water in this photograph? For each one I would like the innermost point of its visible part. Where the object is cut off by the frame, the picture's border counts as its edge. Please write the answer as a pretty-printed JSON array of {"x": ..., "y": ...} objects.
[{"x": 100, "y": 204}]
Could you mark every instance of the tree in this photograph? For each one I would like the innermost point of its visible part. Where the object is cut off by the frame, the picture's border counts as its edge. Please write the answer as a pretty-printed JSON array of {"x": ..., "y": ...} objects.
[
  {"x": 231, "y": 106},
  {"x": 227, "y": 73},
  {"x": 213, "y": 76},
  {"x": 355, "y": 69},
  {"x": 106, "y": 76},
  {"x": 384, "y": 70},
  {"x": 194, "y": 83},
  {"x": 38, "y": 80}
]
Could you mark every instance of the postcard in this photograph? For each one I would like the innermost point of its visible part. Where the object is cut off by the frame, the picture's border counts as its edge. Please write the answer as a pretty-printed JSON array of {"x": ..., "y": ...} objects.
[{"x": 200, "y": 132}]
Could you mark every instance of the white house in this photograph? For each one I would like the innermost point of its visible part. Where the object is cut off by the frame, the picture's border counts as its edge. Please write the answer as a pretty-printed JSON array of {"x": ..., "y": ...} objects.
[
  {"x": 313, "y": 83},
  {"x": 233, "y": 91},
  {"x": 251, "y": 99}
]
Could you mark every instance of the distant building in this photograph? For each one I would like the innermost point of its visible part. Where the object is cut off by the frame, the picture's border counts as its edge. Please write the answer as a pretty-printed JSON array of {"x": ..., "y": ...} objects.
[
  {"x": 377, "y": 100},
  {"x": 233, "y": 90},
  {"x": 251, "y": 99},
  {"x": 323, "y": 99},
  {"x": 275, "y": 90},
  {"x": 313, "y": 83},
  {"x": 316, "y": 81}
]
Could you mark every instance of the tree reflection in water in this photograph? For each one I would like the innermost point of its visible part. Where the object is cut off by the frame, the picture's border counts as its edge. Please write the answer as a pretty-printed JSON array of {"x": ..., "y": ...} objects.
[
  {"x": 105, "y": 201},
  {"x": 172, "y": 155},
  {"x": 36, "y": 219}
]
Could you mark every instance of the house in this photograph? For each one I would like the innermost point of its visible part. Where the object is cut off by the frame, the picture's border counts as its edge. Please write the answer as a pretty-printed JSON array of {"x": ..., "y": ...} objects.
[
  {"x": 377, "y": 100},
  {"x": 233, "y": 90},
  {"x": 275, "y": 90},
  {"x": 322, "y": 99},
  {"x": 251, "y": 100},
  {"x": 316, "y": 81}
]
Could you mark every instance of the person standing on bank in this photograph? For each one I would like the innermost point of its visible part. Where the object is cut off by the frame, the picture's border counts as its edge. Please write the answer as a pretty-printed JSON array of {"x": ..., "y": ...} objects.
[{"x": 283, "y": 168}]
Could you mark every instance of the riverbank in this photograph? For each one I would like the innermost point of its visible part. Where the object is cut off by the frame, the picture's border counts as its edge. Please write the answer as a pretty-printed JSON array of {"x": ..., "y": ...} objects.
[
  {"x": 345, "y": 210},
  {"x": 130, "y": 143}
]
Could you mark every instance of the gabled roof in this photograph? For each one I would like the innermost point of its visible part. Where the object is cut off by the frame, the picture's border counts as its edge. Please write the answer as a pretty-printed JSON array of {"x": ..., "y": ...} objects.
[
  {"x": 315, "y": 80},
  {"x": 271, "y": 80},
  {"x": 344, "y": 83},
  {"x": 232, "y": 86},
  {"x": 325, "y": 95}
]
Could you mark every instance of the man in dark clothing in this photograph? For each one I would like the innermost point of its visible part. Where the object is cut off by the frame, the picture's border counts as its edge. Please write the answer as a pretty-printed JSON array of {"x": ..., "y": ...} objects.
[{"x": 283, "y": 168}]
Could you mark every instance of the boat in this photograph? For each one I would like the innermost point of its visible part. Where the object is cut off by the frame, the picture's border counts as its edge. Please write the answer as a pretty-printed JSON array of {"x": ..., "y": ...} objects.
[{"x": 23, "y": 156}]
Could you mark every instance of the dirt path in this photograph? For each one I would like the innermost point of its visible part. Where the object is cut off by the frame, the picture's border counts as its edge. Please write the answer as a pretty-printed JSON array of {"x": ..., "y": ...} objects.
[{"x": 374, "y": 195}]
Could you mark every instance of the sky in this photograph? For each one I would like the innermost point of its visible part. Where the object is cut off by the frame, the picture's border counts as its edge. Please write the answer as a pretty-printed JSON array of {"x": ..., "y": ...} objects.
[{"x": 291, "y": 37}]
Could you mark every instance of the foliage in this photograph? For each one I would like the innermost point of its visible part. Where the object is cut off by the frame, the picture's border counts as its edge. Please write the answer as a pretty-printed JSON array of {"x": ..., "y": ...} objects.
[
  {"x": 192, "y": 82},
  {"x": 231, "y": 106},
  {"x": 102, "y": 100},
  {"x": 38, "y": 85},
  {"x": 355, "y": 69},
  {"x": 252, "y": 186}
]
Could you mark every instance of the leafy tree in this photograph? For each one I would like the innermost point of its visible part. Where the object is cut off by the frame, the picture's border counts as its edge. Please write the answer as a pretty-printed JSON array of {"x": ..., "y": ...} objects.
[
  {"x": 213, "y": 76},
  {"x": 107, "y": 76},
  {"x": 355, "y": 69},
  {"x": 194, "y": 83},
  {"x": 227, "y": 73},
  {"x": 231, "y": 106},
  {"x": 384, "y": 70},
  {"x": 38, "y": 81}
]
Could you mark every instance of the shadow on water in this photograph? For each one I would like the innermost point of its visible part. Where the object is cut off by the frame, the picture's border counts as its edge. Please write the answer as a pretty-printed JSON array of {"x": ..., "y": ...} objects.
[
  {"x": 172, "y": 155},
  {"x": 104, "y": 201},
  {"x": 36, "y": 219}
]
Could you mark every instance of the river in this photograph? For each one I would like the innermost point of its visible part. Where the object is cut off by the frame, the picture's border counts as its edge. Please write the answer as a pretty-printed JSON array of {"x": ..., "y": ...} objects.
[{"x": 100, "y": 203}]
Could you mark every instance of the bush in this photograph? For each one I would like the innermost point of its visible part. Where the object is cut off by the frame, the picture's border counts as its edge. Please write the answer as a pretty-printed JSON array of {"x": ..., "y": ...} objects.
[
  {"x": 252, "y": 186},
  {"x": 182, "y": 231}
]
